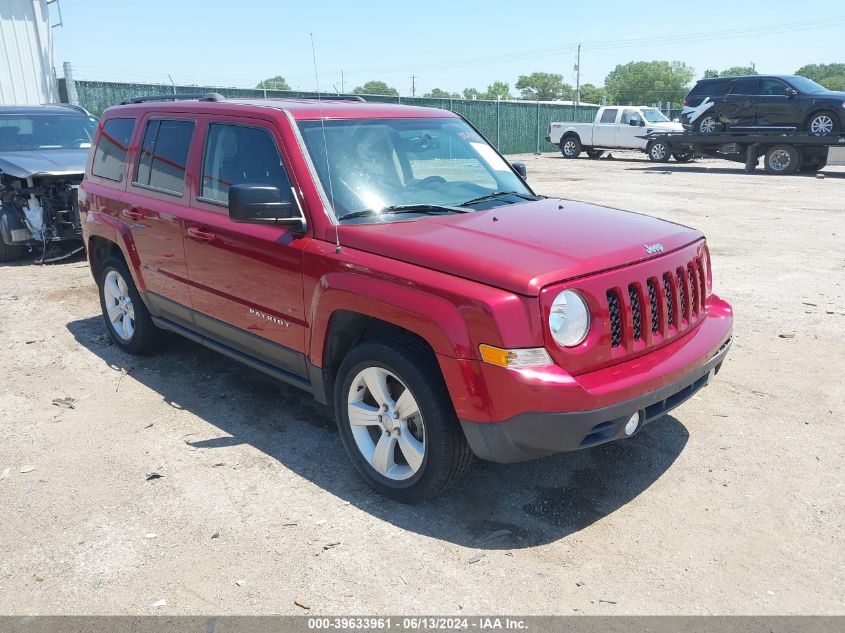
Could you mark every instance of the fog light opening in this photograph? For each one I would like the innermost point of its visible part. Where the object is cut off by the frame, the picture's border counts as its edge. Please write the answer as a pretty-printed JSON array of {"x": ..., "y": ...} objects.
[{"x": 632, "y": 424}]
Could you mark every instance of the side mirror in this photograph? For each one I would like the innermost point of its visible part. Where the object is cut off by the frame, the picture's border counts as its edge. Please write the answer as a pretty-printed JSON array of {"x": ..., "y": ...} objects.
[
  {"x": 262, "y": 204},
  {"x": 642, "y": 123},
  {"x": 633, "y": 122},
  {"x": 520, "y": 168},
  {"x": 791, "y": 92}
]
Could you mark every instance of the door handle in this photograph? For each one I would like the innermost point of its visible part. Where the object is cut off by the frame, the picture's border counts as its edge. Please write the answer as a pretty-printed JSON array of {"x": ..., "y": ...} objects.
[
  {"x": 199, "y": 234},
  {"x": 133, "y": 214}
]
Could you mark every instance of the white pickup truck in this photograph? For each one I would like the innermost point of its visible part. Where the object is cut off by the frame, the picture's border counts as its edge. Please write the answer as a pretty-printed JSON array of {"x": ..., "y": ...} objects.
[{"x": 616, "y": 127}]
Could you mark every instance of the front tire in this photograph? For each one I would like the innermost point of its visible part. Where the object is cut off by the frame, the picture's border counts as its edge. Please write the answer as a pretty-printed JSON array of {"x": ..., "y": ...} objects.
[
  {"x": 683, "y": 157},
  {"x": 127, "y": 318},
  {"x": 659, "y": 152},
  {"x": 822, "y": 124},
  {"x": 594, "y": 154},
  {"x": 782, "y": 160},
  {"x": 397, "y": 422},
  {"x": 570, "y": 146}
]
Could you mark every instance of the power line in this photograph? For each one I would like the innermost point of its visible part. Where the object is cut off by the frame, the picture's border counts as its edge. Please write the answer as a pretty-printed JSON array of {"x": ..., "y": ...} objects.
[{"x": 662, "y": 40}]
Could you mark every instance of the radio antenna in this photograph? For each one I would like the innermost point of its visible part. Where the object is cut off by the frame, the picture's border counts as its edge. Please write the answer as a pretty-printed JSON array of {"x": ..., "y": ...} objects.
[{"x": 325, "y": 145}]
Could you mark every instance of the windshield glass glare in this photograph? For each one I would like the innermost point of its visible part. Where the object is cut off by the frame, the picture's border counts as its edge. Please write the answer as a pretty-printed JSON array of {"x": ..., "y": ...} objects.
[
  {"x": 806, "y": 85},
  {"x": 29, "y": 132},
  {"x": 653, "y": 115},
  {"x": 374, "y": 164}
]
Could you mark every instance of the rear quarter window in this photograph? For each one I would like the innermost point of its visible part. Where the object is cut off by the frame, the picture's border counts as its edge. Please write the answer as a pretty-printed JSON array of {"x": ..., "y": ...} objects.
[
  {"x": 711, "y": 88},
  {"x": 110, "y": 155}
]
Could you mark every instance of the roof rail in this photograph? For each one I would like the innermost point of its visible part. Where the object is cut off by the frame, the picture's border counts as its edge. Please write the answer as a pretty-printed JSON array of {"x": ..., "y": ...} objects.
[
  {"x": 208, "y": 96},
  {"x": 354, "y": 98}
]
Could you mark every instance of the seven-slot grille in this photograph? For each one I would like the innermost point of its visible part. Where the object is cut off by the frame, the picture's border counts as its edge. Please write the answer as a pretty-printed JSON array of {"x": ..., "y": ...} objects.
[{"x": 675, "y": 301}]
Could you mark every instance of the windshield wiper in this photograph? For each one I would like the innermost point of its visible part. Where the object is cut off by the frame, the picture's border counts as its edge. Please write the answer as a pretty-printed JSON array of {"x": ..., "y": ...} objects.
[
  {"x": 429, "y": 209},
  {"x": 499, "y": 194}
]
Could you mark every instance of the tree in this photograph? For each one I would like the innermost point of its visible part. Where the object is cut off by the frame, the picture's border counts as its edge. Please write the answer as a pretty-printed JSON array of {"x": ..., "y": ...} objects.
[
  {"x": 543, "y": 87},
  {"x": 831, "y": 76},
  {"x": 273, "y": 83},
  {"x": 437, "y": 93},
  {"x": 648, "y": 82},
  {"x": 592, "y": 94},
  {"x": 375, "y": 88},
  {"x": 497, "y": 90},
  {"x": 710, "y": 74},
  {"x": 471, "y": 93},
  {"x": 734, "y": 71}
]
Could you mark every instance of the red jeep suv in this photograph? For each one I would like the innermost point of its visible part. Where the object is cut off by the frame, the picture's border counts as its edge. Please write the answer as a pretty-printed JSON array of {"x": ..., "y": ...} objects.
[{"x": 388, "y": 260}]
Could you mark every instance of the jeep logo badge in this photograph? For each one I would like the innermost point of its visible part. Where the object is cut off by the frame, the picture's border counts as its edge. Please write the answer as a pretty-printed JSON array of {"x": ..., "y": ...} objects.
[{"x": 653, "y": 248}]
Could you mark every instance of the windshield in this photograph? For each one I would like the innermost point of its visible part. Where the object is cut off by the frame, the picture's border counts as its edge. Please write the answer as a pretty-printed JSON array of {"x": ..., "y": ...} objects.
[
  {"x": 653, "y": 115},
  {"x": 28, "y": 132},
  {"x": 803, "y": 84},
  {"x": 378, "y": 164}
]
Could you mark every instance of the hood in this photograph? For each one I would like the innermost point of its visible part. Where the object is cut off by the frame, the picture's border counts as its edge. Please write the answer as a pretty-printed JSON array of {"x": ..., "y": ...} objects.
[
  {"x": 49, "y": 162},
  {"x": 522, "y": 247},
  {"x": 670, "y": 126},
  {"x": 829, "y": 94}
]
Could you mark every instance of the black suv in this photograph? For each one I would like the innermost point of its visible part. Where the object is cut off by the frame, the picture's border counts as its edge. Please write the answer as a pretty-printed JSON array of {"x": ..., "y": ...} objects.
[{"x": 764, "y": 101}]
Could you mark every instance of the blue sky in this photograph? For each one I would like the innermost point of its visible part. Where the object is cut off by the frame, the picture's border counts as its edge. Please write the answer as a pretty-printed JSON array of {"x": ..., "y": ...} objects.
[{"x": 450, "y": 45}]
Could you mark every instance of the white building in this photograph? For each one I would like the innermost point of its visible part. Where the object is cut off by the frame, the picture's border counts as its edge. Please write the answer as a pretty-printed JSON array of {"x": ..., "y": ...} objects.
[{"x": 26, "y": 53}]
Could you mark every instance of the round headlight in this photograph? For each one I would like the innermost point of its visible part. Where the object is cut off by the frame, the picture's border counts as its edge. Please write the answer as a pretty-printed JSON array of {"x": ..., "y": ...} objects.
[{"x": 569, "y": 319}]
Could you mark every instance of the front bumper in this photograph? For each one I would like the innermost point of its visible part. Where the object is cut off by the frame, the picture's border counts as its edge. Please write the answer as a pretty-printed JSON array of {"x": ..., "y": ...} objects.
[
  {"x": 512, "y": 415},
  {"x": 531, "y": 435}
]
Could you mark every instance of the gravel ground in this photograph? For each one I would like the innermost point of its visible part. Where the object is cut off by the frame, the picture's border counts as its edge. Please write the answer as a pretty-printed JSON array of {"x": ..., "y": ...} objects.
[{"x": 734, "y": 504}]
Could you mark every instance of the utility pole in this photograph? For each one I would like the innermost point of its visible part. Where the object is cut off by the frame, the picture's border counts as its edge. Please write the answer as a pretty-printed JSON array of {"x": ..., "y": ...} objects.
[
  {"x": 413, "y": 85},
  {"x": 341, "y": 83},
  {"x": 578, "y": 77}
]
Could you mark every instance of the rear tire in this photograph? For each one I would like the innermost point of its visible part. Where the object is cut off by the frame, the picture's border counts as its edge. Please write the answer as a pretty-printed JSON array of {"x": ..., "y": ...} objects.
[
  {"x": 683, "y": 157},
  {"x": 706, "y": 125},
  {"x": 570, "y": 146},
  {"x": 782, "y": 160},
  {"x": 594, "y": 154},
  {"x": 404, "y": 377},
  {"x": 659, "y": 152},
  {"x": 822, "y": 124},
  {"x": 11, "y": 252},
  {"x": 127, "y": 318}
]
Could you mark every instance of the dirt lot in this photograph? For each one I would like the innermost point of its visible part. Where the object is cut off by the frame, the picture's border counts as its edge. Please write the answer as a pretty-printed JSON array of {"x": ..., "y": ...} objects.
[{"x": 734, "y": 504}]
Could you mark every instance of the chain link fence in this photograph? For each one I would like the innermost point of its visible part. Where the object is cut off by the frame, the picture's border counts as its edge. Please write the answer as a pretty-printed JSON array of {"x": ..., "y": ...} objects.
[{"x": 514, "y": 127}]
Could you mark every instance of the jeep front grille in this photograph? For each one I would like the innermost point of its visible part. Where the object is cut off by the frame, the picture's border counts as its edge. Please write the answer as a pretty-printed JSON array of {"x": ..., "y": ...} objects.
[
  {"x": 615, "y": 319},
  {"x": 676, "y": 300}
]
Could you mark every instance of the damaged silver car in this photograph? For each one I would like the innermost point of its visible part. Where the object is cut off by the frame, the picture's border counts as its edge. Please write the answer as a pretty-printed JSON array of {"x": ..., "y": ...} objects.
[{"x": 43, "y": 150}]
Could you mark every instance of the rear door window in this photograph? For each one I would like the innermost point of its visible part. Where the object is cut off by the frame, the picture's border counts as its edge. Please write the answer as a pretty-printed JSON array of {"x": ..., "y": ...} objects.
[
  {"x": 236, "y": 155},
  {"x": 110, "y": 155},
  {"x": 609, "y": 115},
  {"x": 164, "y": 155},
  {"x": 749, "y": 86}
]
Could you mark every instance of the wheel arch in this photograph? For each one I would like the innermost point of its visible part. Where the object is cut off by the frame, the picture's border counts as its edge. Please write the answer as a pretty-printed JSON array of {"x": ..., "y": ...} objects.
[
  {"x": 822, "y": 110},
  {"x": 104, "y": 236}
]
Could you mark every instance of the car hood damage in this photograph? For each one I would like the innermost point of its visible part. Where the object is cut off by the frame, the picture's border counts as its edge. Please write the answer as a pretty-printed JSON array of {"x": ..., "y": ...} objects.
[
  {"x": 523, "y": 247},
  {"x": 50, "y": 162}
]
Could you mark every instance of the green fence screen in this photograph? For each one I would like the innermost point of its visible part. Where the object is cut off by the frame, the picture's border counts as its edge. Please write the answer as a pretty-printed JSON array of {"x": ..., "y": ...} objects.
[{"x": 513, "y": 127}]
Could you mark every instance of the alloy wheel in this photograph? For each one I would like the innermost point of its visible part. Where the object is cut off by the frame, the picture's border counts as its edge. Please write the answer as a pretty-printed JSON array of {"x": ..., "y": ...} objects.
[
  {"x": 822, "y": 125},
  {"x": 121, "y": 312},
  {"x": 707, "y": 125},
  {"x": 386, "y": 423},
  {"x": 569, "y": 148}
]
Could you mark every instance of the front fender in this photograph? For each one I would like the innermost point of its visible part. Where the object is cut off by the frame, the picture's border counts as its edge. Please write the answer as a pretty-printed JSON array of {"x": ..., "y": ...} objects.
[{"x": 405, "y": 306}]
